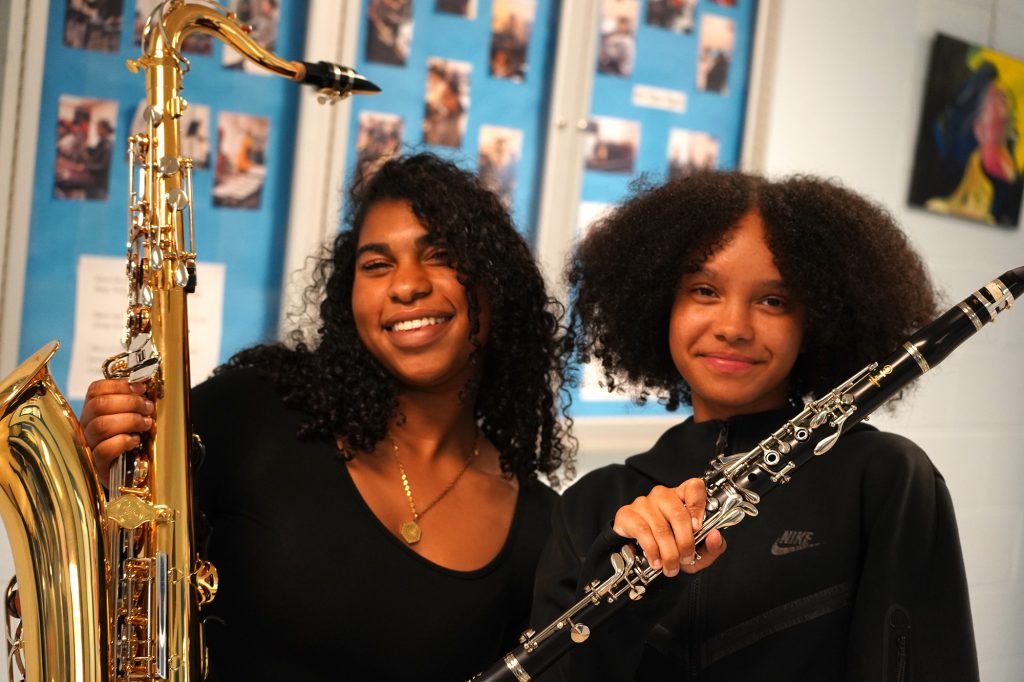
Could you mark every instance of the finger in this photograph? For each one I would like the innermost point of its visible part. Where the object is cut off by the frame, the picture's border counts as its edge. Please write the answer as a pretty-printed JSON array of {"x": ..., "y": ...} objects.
[
  {"x": 106, "y": 387},
  {"x": 694, "y": 495},
  {"x": 105, "y": 427},
  {"x": 115, "y": 403},
  {"x": 104, "y": 454},
  {"x": 630, "y": 523},
  {"x": 714, "y": 546},
  {"x": 673, "y": 512},
  {"x": 668, "y": 523}
]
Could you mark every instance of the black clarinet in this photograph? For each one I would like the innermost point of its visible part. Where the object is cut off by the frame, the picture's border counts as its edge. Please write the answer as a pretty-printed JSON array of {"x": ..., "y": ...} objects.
[{"x": 736, "y": 483}]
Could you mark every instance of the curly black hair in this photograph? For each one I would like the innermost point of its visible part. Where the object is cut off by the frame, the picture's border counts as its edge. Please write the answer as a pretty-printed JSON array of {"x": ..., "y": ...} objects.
[
  {"x": 520, "y": 387},
  {"x": 843, "y": 257}
]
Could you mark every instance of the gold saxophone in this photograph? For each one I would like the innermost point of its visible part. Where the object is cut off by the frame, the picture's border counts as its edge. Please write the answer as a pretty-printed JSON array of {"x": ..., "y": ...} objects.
[{"x": 112, "y": 591}]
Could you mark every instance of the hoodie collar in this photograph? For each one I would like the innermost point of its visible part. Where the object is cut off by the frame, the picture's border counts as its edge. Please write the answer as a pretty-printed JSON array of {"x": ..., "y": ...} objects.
[{"x": 673, "y": 458}]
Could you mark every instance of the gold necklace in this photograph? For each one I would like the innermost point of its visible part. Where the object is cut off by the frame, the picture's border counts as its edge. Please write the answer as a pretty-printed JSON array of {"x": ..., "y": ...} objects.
[{"x": 410, "y": 530}]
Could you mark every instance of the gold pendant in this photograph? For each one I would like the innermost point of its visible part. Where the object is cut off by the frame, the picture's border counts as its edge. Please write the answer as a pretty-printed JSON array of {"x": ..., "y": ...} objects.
[{"x": 411, "y": 532}]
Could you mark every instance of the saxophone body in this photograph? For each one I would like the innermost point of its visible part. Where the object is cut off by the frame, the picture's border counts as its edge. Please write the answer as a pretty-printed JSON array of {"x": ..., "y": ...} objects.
[
  {"x": 114, "y": 590},
  {"x": 736, "y": 483}
]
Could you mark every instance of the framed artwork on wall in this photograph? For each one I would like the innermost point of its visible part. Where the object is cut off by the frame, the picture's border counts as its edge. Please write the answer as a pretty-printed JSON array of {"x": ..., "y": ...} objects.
[{"x": 969, "y": 161}]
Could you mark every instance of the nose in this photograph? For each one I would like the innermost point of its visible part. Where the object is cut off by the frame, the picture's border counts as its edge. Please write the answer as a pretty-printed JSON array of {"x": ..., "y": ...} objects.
[
  {"x": 409, "y": 283},
  {"x": 733, "y": 322}
]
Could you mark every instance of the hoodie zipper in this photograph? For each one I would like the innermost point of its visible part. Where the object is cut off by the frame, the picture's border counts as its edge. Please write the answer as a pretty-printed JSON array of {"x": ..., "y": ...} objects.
[
  {"x": 722, "y": 441},
  {"x": 898, "y": 658},
  {"x": 695, "y": 600}
]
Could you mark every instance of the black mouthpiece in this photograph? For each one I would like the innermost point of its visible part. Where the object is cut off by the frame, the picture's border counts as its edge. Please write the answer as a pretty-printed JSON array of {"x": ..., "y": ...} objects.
[
  {"x": 1017, "y": 272},
  {"x": 337, "y": 80}
]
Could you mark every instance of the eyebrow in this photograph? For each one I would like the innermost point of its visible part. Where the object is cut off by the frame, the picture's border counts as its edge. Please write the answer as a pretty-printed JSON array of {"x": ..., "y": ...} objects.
[
  {"x": 384, "y": 249},
  {"x": 766, "y": 283}
]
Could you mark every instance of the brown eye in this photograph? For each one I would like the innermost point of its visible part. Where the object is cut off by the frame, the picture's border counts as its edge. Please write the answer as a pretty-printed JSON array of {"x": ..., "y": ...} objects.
[
  {"x": 373, "y": 265},
  {"x": 703, "y": 292}
]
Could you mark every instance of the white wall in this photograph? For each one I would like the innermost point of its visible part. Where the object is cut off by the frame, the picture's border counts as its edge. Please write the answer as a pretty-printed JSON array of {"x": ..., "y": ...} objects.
[{"x": 844, "y": 101}]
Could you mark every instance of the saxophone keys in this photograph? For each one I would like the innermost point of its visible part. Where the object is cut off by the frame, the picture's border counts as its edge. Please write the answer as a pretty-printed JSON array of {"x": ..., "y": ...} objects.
[
  {"x": 138, "y": 321},
  {"x": 169, "y": 165},
  {"x": 152, "y": 115},
  {"x": 140, "y": 471},
  {"x": 177, "y": 199},
  {"x": 116, "y": 366},
  {"x": 205, "y": 581},
  {"x": 181, "y": 274},
  {"x": 156, "y": 258},
  {"x": 177, "y": 106}
]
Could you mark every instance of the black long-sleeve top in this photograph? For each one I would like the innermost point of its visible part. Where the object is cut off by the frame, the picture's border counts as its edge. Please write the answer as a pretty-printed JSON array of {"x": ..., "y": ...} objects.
[
  {"x": 312, "y": 585},
  {"x": 852, "y": 571}
]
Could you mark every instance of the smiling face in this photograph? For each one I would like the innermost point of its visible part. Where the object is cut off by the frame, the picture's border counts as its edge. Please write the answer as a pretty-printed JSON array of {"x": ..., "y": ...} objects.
[
  {"x": 735, "y": 329},
  {"x": 410, "y": 310}
]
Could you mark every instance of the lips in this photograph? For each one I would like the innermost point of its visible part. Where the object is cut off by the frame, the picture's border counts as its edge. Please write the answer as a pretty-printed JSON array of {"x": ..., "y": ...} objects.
[
  {"x": 416, "y": 323},
  {"x": 728, "y": 363},
  {"x": 416, "y": 329}
]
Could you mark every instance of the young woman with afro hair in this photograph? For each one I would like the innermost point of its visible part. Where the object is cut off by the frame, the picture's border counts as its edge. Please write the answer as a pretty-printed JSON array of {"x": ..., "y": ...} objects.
[
  {"x": 373, "y": 493},
  {"x": 740, "y": 297}
]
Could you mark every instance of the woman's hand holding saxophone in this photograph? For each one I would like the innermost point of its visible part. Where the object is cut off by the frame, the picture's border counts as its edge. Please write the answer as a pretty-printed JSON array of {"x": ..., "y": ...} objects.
[{"x": 114, "y": 414}]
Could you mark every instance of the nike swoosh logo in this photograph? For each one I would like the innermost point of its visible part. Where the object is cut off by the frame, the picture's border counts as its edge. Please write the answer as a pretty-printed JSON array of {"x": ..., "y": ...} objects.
[{"x": 780, "y": 550}]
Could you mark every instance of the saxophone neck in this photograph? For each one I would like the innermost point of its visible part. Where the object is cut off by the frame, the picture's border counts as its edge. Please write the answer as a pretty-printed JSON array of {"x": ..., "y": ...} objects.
[{"x": 173, "y": 21}]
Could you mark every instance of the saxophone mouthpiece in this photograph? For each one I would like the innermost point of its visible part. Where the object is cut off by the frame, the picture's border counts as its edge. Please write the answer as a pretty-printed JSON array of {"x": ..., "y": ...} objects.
[{"x": 336, "y": 82}]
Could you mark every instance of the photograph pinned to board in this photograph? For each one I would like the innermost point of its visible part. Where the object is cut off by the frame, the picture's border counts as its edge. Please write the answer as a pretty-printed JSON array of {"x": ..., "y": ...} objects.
[
  {"x": 462, "y": 8},
  {"x": 379, "y": 138},
  {"x": 241, "y": 167},
  {"x": 93, "y": 24},
  {"x": 446, "y": 102},
  {"x": 617, "y": 44},
  {"x": 689, "y": 151},
  {"x": 675, "y": 15},
  {"x": 714, "y": 53},
  {"x": 969, "y": 160},
  {"x": 84, "y": 148},
  {"x": 498, "y": 160},
  {"x": 511, "y": 25},
  {"x": 389, "y": 28},
  {"x": 611, "y": 144}
]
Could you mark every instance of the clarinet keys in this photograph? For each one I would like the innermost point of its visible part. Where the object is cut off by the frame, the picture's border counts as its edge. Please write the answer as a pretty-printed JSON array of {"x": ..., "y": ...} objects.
[{"x": 579, "y": 633}]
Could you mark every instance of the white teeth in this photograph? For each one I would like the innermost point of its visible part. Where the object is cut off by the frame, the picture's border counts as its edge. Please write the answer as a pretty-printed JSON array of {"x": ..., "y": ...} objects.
[{"x": 416, "y": 324}]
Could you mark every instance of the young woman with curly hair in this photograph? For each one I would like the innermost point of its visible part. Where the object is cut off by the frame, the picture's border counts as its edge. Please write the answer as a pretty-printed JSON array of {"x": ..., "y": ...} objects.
[
  {"x": 741, "y": 297},
  {"x": 373, "y": 494}
]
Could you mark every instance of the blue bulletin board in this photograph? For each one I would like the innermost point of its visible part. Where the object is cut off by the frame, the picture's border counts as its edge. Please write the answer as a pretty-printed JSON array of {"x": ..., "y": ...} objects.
[
  {"x": 495, "y": 56},
  {"x": 669, "y": 95},
  {"x": 79, "y": 211},
  {"x": 467, "y": 79}
]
